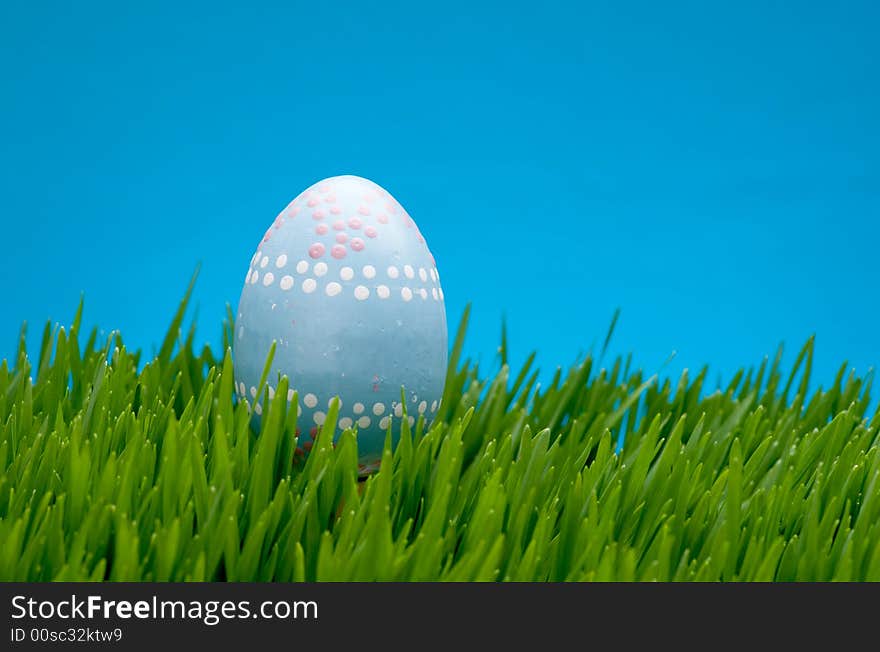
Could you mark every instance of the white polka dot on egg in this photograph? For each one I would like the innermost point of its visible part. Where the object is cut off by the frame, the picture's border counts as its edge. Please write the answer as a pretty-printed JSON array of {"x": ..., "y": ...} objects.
[
  {"x": 364, "y": 422},
  {"x": 281, "y": 261},
  {"x": 346, "y": 273},
  {"x": 302, "y": 267},
  {"x": 310, "y": 400},
  {"x": 361, "y": 293},
  {"x": 265, "y": 261},
  {"x": 423, "y": 274},
  {"x": 320, "y": 269},
  {"x": 378, "y": 409},
  {"x": 286, "y": 282},
  {"x": 345, "y": 423},
  {"x": 406, "y": 294},
  {"x": 319, "y": 418},
  {"x": 369, "y": 271},
  {"x": 358, "y": 408},
  {"x": 408, "y": 271},
  {"x": 309, "y": 285},
  {"x": 383, "y": 292},
  {"x": 333, "y": 288},
  {"x": 268, "y": 279},
  {"x": 393, "y": 272}
]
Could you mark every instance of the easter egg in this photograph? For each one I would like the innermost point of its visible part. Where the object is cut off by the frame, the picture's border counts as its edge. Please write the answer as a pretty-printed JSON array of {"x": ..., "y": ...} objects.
[{"x": 345, "y": 286}]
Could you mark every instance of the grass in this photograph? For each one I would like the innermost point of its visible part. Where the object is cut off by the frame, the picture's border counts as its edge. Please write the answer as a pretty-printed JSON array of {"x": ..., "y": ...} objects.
[{"x": 112, "y": 469}]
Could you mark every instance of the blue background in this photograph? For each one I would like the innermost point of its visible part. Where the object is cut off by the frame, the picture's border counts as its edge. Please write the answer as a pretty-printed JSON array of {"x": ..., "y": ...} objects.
[{"x": 711, "y": 168}]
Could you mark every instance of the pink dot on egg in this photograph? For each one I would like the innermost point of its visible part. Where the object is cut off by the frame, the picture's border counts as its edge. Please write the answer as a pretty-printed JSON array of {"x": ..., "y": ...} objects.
[
  {"x": 335, "y": 210},
  {"x": 383, "y": 219},
  {"x": 330, "y": 199},
  {"x": 363, "y": 210},
  {"x": 321, "y": 229},
  {"x": 354, "y": 223},
  {"x": 370, "y": 232},
  {"x": 316, "y": 250},
  {"x": 294, "y": 211},
  {"x": 338, "y": 252},
  {"x": 391, "y": 207},
  {"x": 313, "y": 203},
  {"x": 341, "y": 238},
  {"x": 357, "y": 244},
  {"x": 318, "y": 215},
  {"x": 339, "y": 225},
  {"x": 324, "y": 188}
]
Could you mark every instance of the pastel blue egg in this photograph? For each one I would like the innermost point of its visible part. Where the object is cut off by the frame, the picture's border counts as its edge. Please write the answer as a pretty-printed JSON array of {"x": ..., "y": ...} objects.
[{"x": 344, "y": 283}]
